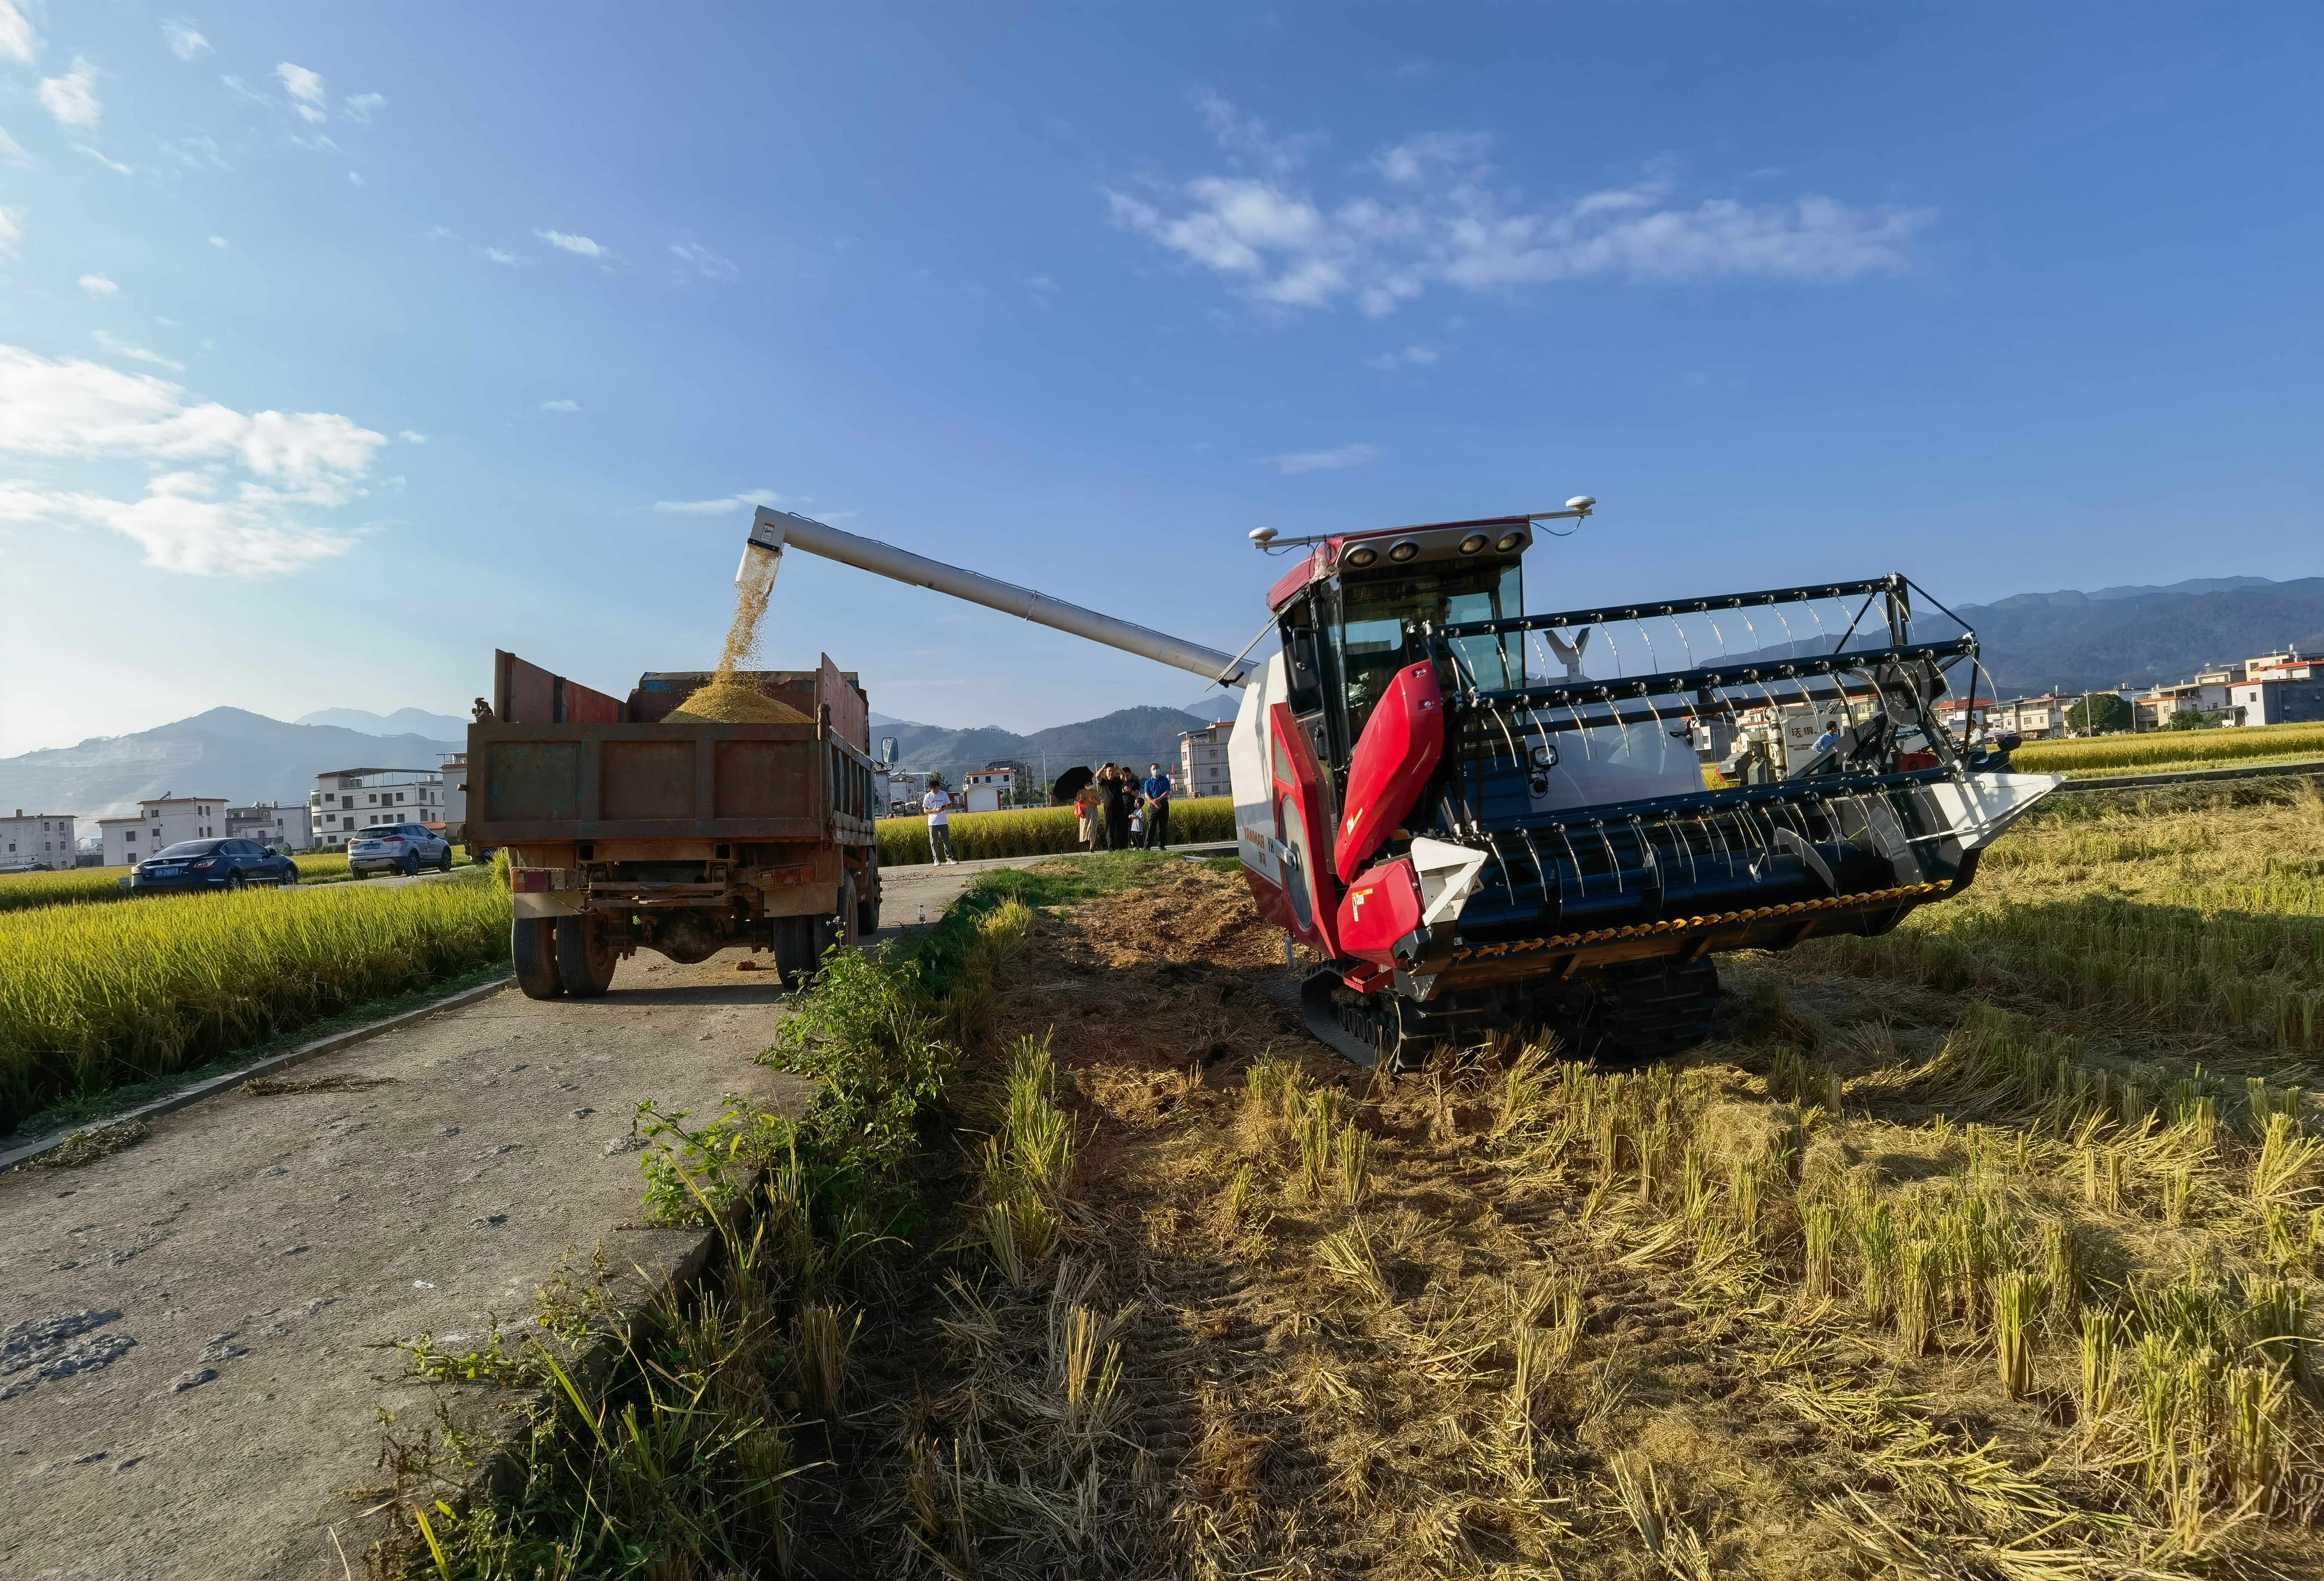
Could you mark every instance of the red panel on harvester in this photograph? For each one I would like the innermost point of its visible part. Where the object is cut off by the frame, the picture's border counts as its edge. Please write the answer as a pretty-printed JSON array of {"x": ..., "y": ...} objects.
[
  {"x": 1398, "y": 751},
  {"x": 1381, "y": 907},
  {"x": 1307, "y": 883}
]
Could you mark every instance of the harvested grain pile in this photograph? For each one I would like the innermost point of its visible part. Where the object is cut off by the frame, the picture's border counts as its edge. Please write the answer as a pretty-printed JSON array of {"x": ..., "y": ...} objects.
[{"x": 728, "y": 701}]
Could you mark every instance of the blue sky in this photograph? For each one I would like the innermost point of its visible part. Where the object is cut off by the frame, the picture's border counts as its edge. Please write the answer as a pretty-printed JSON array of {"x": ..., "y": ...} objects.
[{"x": 339, "y": 346}]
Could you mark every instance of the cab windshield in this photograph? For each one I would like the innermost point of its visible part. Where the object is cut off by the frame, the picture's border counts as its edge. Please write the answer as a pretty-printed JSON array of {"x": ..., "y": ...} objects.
[{"x": 1373, "y": 611}]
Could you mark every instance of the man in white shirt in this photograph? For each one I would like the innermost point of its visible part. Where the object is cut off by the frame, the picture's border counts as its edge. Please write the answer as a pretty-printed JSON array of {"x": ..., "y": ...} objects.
[{"x": 938, "y": 805}]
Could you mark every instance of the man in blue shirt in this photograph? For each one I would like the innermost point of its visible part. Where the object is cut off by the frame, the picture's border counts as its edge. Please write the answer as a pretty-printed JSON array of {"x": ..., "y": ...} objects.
[{"x": 1158, "y": 808}]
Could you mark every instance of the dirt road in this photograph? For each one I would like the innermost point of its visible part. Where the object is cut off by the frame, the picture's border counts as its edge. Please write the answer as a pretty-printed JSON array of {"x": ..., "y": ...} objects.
[{"x": 187, "y": 1325}]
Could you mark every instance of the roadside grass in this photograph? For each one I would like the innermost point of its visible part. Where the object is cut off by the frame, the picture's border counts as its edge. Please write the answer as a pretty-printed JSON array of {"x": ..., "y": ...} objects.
[
  {"x": 91, "y": 886},
  {"x": 1039, "y": 831},
  {"x": 94, "y": 997},
  {"x": 90, "y": 1107},
  {"x": 2157, "y": 751}
]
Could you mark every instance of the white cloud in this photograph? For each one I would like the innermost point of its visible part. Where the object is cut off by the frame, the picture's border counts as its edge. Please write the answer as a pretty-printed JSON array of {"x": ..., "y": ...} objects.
[
  {"x": 1430, "y": 212},
  {"x": 413, "y": 436},
  {"x": 560, "y": 406},
  {"x": 508, "y": 259},
  {"x": 184, "y": 40},
  {"x": 1410, "y": 356},
  {"x": 720, "y": 506},
  {"x": 12, "y": 152},
  {"x": 72, "y": 98},
  {"x": 202, "y": 523},
  {"x": 12, "y": 230},
  {"x": 354, "y": 179},
  {"x": 218, "y": 242},
  {"x": 196, "y": 152},
  {"x": 308, "y": 94},
  {"x": 1322, "y": 460},
  {"x": 580, "y": 245},
  {"x": 16, "y": 39},
  {"x": 97, "y": 285},
  {"x": 135, "y": 354},
  {"x": 359, "y": 106},
  {"x": 110, "y": 163},
  {"x": 700, "y": 259}
]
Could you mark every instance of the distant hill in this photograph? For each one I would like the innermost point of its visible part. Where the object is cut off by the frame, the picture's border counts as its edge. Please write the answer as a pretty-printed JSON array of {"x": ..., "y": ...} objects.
[
  {"x": 2033, "y": 641},
  {"x": 228, "y": 752},
  {"x": 1136, "y": 736},
  {"x": 403, "y": 721}
]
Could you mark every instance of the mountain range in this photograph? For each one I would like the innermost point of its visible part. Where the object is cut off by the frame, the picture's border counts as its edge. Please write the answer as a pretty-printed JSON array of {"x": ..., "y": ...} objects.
[{"x": 2029, "y": 642}]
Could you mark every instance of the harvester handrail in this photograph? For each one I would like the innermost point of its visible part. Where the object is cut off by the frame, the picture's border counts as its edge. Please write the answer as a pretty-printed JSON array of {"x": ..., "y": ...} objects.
[
  {"x": 1705, "y": 678},
  {"x": 1804, "y": 788},
  {"x": 1895, "y": 582}
]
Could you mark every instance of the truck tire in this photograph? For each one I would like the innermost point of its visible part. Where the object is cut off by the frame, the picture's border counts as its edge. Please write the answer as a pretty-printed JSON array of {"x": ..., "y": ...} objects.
[
  {"x": 794, "y": 949},
  {"x": 584, "y": 960},
  {"x": 533, "y": 944},
  {"x": 867, "y": 903}
]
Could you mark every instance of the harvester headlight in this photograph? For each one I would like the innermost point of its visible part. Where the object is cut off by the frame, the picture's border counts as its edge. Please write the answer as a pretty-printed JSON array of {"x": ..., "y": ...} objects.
[
  {"x": 1360, "y": 558},
  {"x": 1545, "y": 756},
  {"x": 1473, "y": 542},
  {"x": 1404, "y": 551},
  {"x": 1511, "y": 540}
]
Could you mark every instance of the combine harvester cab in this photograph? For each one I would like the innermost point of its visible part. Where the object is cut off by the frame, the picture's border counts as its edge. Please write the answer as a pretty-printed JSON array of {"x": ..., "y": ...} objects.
[{"x": 1476, "y": 818}]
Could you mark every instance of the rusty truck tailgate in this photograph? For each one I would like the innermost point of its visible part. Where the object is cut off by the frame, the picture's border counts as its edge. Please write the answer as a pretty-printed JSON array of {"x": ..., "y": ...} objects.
[{"x": 759, "y": 782}]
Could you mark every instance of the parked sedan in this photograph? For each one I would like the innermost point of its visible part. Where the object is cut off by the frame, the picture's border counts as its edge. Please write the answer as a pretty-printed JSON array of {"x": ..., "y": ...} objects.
[
  {"x": 397, "y": 848},
  {"x": 211, "y": 864}
]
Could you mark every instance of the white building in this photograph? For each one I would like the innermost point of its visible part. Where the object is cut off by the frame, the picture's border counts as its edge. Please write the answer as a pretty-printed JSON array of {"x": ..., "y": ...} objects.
[
  {"x": 2282, "y": 689},
  {"x": 1203, "y": 760},
  {"x": 162, "y": 821},
  {"x": 987, "y": 790},
  {"x": 276, "y": 825},
  {"x": 347, "y": 800},
  {"x": 455, "y": 790},
  {"x": 42, "y": 839}
]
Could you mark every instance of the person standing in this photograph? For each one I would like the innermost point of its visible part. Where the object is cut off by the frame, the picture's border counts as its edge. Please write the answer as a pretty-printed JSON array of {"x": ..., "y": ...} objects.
[
  {"x": 1115, "y": 779},
  {"x": 1158, "y": 808},
  {"x": 938, "y": 805},
  {"x": 1089, "y": 822}
]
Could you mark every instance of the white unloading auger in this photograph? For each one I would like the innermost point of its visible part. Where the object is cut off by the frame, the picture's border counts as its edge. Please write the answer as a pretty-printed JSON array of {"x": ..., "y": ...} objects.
[{"x": 772, "y": 531}]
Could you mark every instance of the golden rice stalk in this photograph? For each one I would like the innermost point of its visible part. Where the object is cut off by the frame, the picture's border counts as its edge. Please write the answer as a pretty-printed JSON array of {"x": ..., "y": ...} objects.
[
  {"x": 1917, "y": 1279},
  {"x": 1348, "y": 1254},
  {"x": 1820, "y": 1226},
  {"x": 2097, "y": 1400},
  {"x": 2257, "y": 1411},
  {"x": 2280, "y": 1173},
  {"x": 1355, "y": 1150},
  {"x": 821, "y": 1348},
  {"x": 1675, "y": 1548},
  {"x": 2017, "y": 1303}
]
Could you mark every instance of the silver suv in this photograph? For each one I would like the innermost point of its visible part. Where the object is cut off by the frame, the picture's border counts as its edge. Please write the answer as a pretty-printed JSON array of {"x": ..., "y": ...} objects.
[{"x": 397, "y": 848}]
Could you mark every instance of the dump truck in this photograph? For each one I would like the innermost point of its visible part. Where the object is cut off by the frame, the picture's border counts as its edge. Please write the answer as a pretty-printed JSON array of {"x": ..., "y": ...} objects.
[
  {"x": 627, "y": 830},
  {"x": 1476, "y": 816}
]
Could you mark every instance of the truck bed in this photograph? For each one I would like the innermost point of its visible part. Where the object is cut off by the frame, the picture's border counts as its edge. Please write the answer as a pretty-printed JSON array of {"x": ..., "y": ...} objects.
[{"x": 681, "y": 781}]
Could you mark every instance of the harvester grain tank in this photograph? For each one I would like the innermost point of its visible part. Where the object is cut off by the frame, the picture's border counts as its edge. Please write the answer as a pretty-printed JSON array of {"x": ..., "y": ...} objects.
[{"x": 1477, "y": 817}]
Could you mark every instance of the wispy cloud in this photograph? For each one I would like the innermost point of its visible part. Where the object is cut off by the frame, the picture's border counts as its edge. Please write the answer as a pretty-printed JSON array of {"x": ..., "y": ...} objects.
[
  {"x": 16, "y": 39},
  {"x": 354, "y": 179},
  {"x": 107, "y": 160},
  {"x": 97, "y": 285},
  {"x": 1322, "y": 460},
  {"x": 308, "y": 94},
  {"x": 184, "y": 40},
  {"x": 500, "y": 256},
  {"x": 196, "y": 152},
  {"x": 12, "y": 230},
  {"x": 696, "y": 260},
  {"x": 72, "y": 98},
  {"x": 1431, "y": 212},
  {"x": 201, "y": 523},
  {"x": 560, "y": 406},
  {"x": 12, "y": 152},
  {"x": 359, "y": 106},
  {"x": 135, "y": 354},
  {"x": 1410, "y": 356},
  {"x": 218, "y": 242},
  {"x": 720, "y": 506},
  {"x": 413, "y": 436},
  {"x": 566, "y": 242}
]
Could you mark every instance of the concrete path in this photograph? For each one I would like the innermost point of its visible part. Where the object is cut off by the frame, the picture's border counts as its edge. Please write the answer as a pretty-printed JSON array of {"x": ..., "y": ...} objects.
[{"x": 188, "y": 1382}]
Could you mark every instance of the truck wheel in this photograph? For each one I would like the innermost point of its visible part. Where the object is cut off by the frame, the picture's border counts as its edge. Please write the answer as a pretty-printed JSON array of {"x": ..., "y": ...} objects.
[
  {"x": 842, "y": 927},
  {"x": 795, "y": 955},
  {"x": 867, "y": 904},
  {"x": 532, "y": 943},
  {"x": 584, "y": 960}
]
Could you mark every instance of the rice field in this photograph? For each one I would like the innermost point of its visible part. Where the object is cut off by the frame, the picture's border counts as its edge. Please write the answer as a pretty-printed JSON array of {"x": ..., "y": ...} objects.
[
  {"x": 1028, "y": 831},
  {"x": 89, "y": 886},
  {"x": 2156, "y": 751},
  {"x": 94, "y": 997}
]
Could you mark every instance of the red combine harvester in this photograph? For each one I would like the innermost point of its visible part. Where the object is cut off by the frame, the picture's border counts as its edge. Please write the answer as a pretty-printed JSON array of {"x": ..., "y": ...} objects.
[{"x": 1478, "y": 818}]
